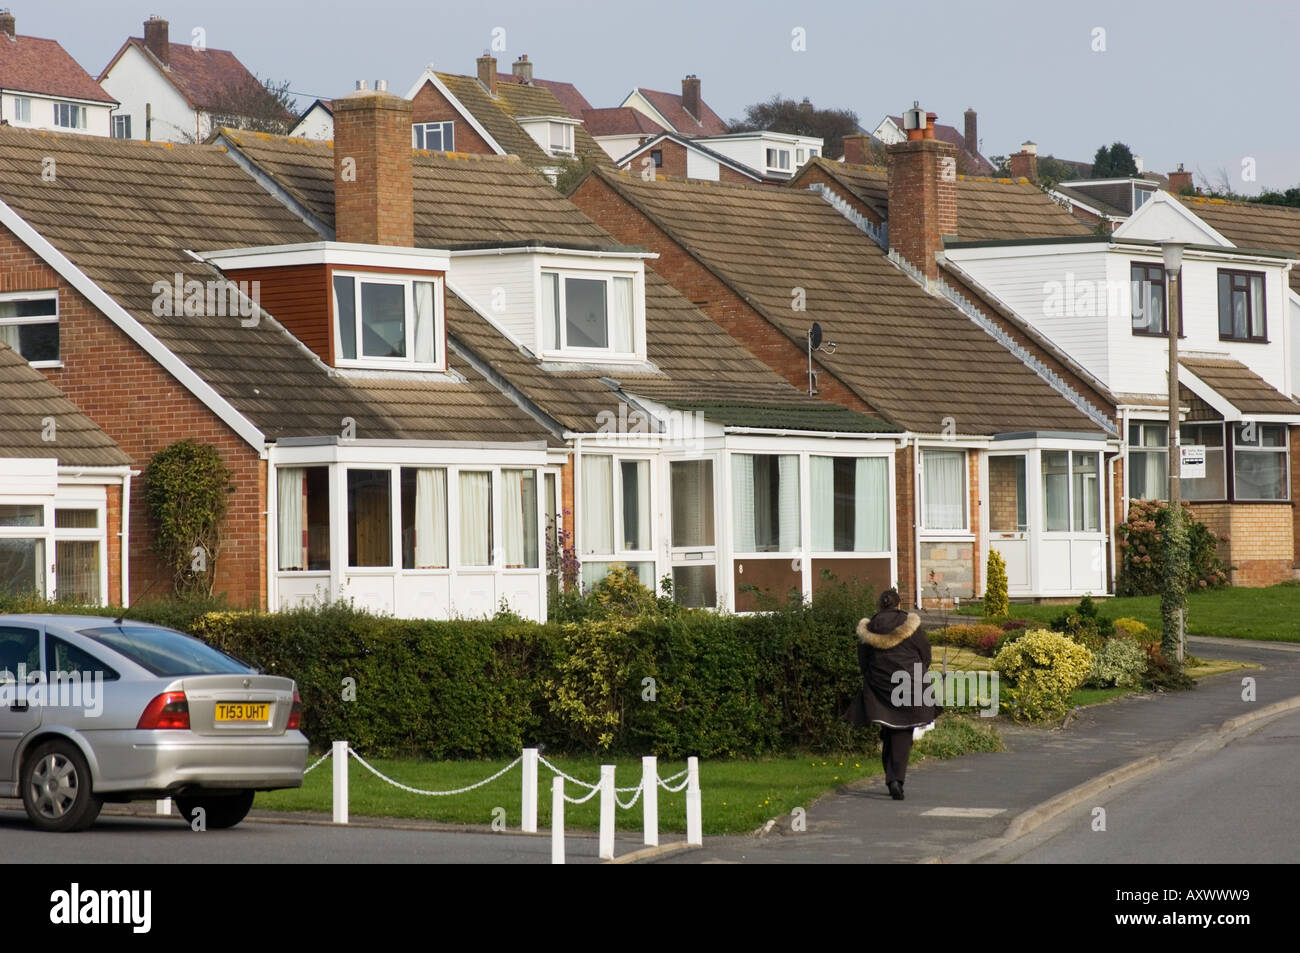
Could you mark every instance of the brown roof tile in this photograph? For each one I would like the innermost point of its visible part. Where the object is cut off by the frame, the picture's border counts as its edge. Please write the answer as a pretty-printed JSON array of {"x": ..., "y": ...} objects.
[
  {"x": 208, "y": 79},
  {"x": 1251, "y": 225},
  {"x": 31, "y": 64},
  {"x": 574, "y": 103},
  {"x": 669, "y": 105},
  {"x": 620, "y": 121},
  {"x": 1241, "y": 386}
]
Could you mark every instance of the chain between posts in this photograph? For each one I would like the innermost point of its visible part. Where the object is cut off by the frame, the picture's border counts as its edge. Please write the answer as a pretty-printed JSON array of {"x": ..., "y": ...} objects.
[{"x": 410, "y": 790}]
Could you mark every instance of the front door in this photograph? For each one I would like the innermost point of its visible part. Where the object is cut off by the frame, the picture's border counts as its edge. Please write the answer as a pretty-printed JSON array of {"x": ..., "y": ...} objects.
[
  {"x": 693, "y": 550},
  {"x": 1009, "y": 530}
]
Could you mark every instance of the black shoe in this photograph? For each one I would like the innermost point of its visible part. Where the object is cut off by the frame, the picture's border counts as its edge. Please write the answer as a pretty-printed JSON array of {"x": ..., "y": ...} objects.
[{"x": 896, "y": 790}]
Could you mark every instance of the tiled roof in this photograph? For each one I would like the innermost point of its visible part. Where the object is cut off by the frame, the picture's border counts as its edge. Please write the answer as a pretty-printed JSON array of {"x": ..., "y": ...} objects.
[
  {"x": 1241, "y": 386},
  {"x": 29, "y": 399},
  {"x": 692, "y": 145},
  {"x": 30, "y": 64},
  {"x": 208, "y": 79},
  {"x": 513, "y": 100},
  {"x": 1251, "y": 225},
  {"x": 574, "y": 103},
  {"x": 1091, "y": 201},
  {"x": 620, "y": 121},
  {"x": 669, "y": 105},
  {"x": 977, "y": 164},
  {"x": 987, "y": 209},
  {"x": 125, "y": 212},
  {"x": 913, "y": 357},
  {"x": 466, "y": 199}
]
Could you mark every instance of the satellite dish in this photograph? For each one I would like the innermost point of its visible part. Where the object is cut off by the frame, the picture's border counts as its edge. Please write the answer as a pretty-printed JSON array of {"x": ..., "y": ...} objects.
[{"x": 815, "y": 336}]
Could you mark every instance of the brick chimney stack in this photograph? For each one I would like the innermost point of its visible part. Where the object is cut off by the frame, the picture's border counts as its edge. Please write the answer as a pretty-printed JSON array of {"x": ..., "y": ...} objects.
[
  {"x": 7, "y": 23},
  {"x": 971, "y": 140},
  {"x": 922, "y": 193},
  {"x": 857, "y": 149},
  {"x": 487, "y": 73},
  {"x": 691, "y": 95},
  {"x": 374, "y": 201},
  {"x": 1024, "y": 164},
  {"x": 1179, "y": 180},
  {"x": 157, "y": 39},
  {"x": 523, "y": 70}
]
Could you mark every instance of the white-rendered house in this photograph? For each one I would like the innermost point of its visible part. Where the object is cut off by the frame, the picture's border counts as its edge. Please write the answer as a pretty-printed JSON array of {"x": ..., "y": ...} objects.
[{"x": 42, "y": 87}]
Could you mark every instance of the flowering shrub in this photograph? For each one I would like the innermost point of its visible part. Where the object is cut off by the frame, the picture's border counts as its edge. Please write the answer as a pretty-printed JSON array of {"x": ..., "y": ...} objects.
[
  {"x": 1139, "y": 631},
  {"x": 964, "y": 636},
  {"x": 1043, "y": 668},
  {"x": 1121, "y": 662},
  {"x": 1142, "y": 566}
]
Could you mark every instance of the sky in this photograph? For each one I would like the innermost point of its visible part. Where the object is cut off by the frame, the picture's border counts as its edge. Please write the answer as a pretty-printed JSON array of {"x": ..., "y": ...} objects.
[{"x": 1200, "y": 82}]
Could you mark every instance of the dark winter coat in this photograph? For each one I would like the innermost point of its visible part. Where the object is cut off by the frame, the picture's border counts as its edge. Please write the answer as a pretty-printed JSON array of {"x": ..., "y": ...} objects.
[{"x": 892, "y": 641}]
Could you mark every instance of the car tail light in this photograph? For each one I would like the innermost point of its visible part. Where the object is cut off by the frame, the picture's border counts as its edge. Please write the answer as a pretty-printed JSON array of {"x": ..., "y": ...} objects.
[
  {"x": 295, "y": 714},
  {"x": 168, "y": 710}
]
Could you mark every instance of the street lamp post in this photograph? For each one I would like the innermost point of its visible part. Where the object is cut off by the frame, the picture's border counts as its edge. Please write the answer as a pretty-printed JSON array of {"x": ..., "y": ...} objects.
[{"x": 1174, "y": 599}]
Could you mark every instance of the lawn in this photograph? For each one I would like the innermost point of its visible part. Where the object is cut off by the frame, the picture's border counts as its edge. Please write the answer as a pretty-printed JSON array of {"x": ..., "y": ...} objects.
[
  {"x": 1269, "y": 614},
  {"x": 737, "y": 796}
]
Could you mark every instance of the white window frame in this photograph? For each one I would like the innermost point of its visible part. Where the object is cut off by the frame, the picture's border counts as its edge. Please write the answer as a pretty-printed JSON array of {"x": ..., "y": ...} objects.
[
  {"x": 41, "y": 319},
  {"x": 447, "y": 135},
  {"x": 565, "y": 352},
  {"x": 121, "y": 124},
  {"x": 98, "y": 535},
  {"x": 408, "y": 282},
  {"x": 22, "y": 109},
  {"x": 1209, "y": 449},
  {"x": 803, "y": 536},
  {"x": 781, "y": 156},
  {"x": 1130, "y": 447},
  {"x": 889, "y": 522},
  {"x": 619, "y": 554},
  {"x": 1070, "y": 528},
  {"x": 77, "y": 114},
  {"x": 566, "y": 138},
  {"x": 1284, "y": 451},
  {"x": 965, "y": 528}
]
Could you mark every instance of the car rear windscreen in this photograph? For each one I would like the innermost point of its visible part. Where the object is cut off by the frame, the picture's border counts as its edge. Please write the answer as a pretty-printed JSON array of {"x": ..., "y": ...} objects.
[{"x": 164, "y": 652}]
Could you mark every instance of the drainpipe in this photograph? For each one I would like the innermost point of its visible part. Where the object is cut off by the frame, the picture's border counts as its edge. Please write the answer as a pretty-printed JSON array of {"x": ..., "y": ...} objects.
[
  {"x": 916, "y": 515},
  {"x": 1110, "y": 516},
  {"x": 125, "y": 533}
]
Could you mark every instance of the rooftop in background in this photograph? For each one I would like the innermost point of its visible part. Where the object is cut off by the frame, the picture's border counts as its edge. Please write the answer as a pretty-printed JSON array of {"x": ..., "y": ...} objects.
[
  {"x": 1251, "y": 225},
  {"x": 30, "y": 64},
  {"x": 620, "y": 121},
  {"x": 686, "y": 113}
]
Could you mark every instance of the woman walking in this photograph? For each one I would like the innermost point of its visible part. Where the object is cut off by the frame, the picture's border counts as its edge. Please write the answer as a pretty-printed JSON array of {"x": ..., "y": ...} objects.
[{"x": 890, "y": 642}]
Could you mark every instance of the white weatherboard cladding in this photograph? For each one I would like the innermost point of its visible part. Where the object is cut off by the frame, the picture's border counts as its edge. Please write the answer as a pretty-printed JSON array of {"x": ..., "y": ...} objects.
[
  {"x": 1293, "y": 333},
  {"x": 135, "y": 81},
  {"x": 700, "y": 166},
  {"x": 1032, "y": 285},
  {"x": 502, "y": 287}
]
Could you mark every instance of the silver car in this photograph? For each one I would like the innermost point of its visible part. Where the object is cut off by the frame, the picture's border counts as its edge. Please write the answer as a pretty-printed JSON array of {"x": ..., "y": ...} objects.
[{"x": 94, "y": 709}]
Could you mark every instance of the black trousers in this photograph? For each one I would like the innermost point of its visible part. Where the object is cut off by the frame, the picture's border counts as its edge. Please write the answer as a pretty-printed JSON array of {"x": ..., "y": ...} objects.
[{"x": 895, "y": 746}]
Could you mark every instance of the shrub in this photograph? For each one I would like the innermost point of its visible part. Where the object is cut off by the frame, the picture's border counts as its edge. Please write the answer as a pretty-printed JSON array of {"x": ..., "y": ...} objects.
[
  {"x": 1007, "y": 637},
  {"x": 1136, "y": 630},
  {"x": 1085, "y": 625},
  {"x": 1142, "y": 551},
  {"x": 988, "y": 644},
  {"x": 1162, "y": 674},
  {"x": 1012, "y": 624},
  {"x": 963, "y": 636},
  {"x": 996, "y": 604},
  {"x": 185, "y": 488},
  {"x": 1121, "y": 662},
  {"x": 1043, "y": 668}
]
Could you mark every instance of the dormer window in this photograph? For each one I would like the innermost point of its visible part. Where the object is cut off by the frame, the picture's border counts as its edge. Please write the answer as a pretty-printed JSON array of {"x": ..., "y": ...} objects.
[
  {"x": 554, "y": 134},
  {"x": 387, "y": 321},
  {"x": 586, "y": 312},
  {"x": 561, "y": 138}
]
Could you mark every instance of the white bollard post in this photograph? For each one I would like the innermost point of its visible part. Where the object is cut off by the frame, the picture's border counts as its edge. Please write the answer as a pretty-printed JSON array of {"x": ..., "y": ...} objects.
[
  {"x": 606, "y": 812},
  {"x": 650, "y": 799},
  {"x": 163, "y": 806},
  {"x": 557, "y": 821},
  {"x": 694, "y": 827},
  {"x": 528, "y": 806},
  {"x": 339, "y": 755}
]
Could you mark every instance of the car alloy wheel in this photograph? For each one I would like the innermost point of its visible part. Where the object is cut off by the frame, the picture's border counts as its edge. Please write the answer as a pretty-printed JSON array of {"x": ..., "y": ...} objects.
[{"x": 56, "y": 788}]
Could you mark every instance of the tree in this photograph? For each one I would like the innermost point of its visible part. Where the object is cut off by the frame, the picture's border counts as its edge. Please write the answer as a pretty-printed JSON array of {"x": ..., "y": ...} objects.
[
  {"x": 1291, "y": 197},
  {"x": 256, "y": 104},
  {"x": 800, "y": 119},
  {"x": 1113, "y": 162},
  {"x": 1050, "y": 169}
]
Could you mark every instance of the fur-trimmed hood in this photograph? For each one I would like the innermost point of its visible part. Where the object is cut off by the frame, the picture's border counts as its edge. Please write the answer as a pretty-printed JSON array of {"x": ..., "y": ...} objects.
[{"x": 874, "y": 633}]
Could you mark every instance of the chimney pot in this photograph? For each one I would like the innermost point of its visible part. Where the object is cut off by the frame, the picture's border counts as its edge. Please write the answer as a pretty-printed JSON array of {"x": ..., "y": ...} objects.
[
  {"x": 381, "y": 85},
  {"x": 362, "y": 85},
  {"x": 930, "y": 120},
  {"x": 7, "y": 22},
  {"x": 971, "y": 140},
  {"x": 157, "y": 39},
  {"x": 487, "y": 73},
  {"x": 523, "y": 69},
  {"x": 691, "y": 96}
]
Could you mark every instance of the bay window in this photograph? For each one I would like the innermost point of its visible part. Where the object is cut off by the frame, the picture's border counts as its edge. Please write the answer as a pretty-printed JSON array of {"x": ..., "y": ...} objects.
[
  {"x": 615, "y": 517},
  {"x": 370, "y": 494},
  {"x": 765, "y": 503},
  {"x": 943, "y": 490},
  {"x": 850, "y": 504},
  {"x": 1212, "y": 486},
  {"x": 303, "y": 511},
  {"x": 424, "y": 518},
  {"x": 1148, "y": 461},
  {"x": 1259, "y": 462},
  {"x": 587, "y": 312},
  {"x": 519, "y": 518},
  {"x": 389, "y": 321},
  {"x": 30, "y": 325}
]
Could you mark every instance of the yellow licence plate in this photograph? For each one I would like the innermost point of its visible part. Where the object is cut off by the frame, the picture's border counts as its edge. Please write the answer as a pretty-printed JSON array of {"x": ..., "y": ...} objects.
[{"x": 242, "y": 711}]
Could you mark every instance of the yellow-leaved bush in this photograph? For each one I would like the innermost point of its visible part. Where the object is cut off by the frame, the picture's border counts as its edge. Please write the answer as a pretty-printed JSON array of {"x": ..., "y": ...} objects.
[{"x": 1043, "y": 668}]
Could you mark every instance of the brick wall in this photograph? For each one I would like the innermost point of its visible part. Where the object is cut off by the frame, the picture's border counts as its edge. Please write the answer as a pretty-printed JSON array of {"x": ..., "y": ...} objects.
[
  {"x": 1294, "y": 440},
  {"x": 374, "y": 202},
  {"x": 113, "y": 526},
  {"x": 141, "y": 406},
  {"x": 674, "y": 164},
  {"x": 922, "y": 199},
  {"x": 905, "y": 499},
  {"x": 1004, "y": 496},
  {"x": 429, "y": 105}
]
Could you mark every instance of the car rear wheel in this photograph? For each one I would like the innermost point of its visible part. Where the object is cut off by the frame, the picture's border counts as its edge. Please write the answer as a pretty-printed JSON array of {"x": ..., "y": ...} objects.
[
  {"x": 56, "y": 788},
  {"x": 219, "y": 810}
]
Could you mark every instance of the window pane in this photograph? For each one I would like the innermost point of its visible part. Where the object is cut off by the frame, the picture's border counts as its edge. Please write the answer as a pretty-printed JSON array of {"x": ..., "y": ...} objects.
[
  {"x": 593, "y": 573},
  {"x": 1148, "y": 474},
  {"x": 475, "y": 519},
  {"x": 692, "y": 493},
  {"x": 35, "y": 342},
  {"x": 18, "y": 646},
  {"x": 850, "y": 506},
  {"x": 62, "y": 657},
  {"x": 448, "y": 136},
  {"x": 303, "y": 508},
  {"x": 1260, "y": 475},
  {"x": 424, "y": 518},
  {"x": 76, "y": 519},
  {"x": 345, "y": 306},
  {"x": 519, "y": 518},
  {"x": 597, "y": 519},
  {"x": 426, "y": 346},
  {"x": 1056, "y": 513},
  {"x": 22, "y": 567},
  {"x": 1212, "y": 486},
  {"x": 370, "y": 528},
  {"x": 383, "y": 320},
  {"x": 1225, "y": 305},
  {"x": 944, "y": 488},
  {"x": 1257, "y": 306},
  {"x": 1087, "y": 493},
  {"x": 550, "y": 308},
  {"x": 1008, "y": 508},
  {"x": 636, "y": 503},
  {"x": 765, "y": 503},
  {"x": 621, "y": 314},
  {"x": 695, "y": 586},
  {"x": 76, "y": 571},
  {"x": 17, "y": 514},
  {"x": 585, "y": 323},
  {"x": 29, "y": 308}
]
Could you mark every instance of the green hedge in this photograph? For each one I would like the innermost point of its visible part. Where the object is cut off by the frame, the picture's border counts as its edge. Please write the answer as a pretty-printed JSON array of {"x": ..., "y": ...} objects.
[{"x": 723, "y": 685}]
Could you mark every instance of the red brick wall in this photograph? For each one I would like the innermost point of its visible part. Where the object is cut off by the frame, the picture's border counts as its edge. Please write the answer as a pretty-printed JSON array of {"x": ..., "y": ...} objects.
[
  {"x": 113, "y": 526},
  {"x": 375, "y": 205},
  {"x": 905, "y": 501},
  {"x": 429, "y": 105},
  {"x": 1294, "y": 441},
  {"x": 922, "y": 201},
  {"x": 141, "y": 406},
  {"x": 674, "y": 165}
]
